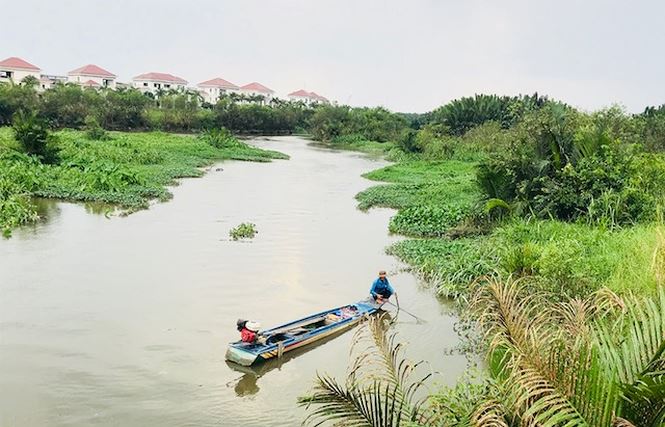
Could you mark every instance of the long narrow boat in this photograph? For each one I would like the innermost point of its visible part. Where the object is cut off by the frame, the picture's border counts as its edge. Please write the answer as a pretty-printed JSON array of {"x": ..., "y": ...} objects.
[{"x": 276, "y": 341}]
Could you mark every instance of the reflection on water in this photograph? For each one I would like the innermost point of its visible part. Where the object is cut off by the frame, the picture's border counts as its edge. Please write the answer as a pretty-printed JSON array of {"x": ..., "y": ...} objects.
[{"x": 112, "y": 320}]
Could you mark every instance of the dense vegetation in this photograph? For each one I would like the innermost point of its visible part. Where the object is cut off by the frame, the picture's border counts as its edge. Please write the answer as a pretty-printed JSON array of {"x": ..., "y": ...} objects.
[
  {"x": 571, "y": 200},
  {"x": 70, "y": 106},
  {"x": 126, "y": 169},
  {"x": 563, "y": 210}
]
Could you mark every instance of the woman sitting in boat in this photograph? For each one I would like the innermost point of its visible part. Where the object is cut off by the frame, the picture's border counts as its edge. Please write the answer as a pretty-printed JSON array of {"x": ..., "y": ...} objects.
[
  {"x": 381, "y": 290},
  {"x": 248, "y": 330}
]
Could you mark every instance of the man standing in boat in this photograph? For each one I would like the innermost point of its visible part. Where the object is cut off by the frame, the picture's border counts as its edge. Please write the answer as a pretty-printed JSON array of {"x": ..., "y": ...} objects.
[{"x": 381, "y": 290}]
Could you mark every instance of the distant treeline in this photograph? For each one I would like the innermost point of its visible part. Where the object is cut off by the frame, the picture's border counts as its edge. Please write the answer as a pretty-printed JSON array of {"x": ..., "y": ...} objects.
[
  {"x": 70, "y": 106},
  {"x": 431, "y": 131}
]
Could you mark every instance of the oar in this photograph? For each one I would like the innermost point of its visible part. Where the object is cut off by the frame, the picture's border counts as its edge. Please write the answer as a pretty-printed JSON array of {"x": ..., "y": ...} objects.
[{"x": 410, "y": 314}]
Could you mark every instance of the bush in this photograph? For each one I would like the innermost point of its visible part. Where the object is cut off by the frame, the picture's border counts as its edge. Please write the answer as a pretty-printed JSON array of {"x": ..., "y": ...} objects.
[
  {"x": 408, "y": 141},
  {"x": 220, "y": 138},
  {"x": 93, "y": 130},
  {"x": 374, "y": 124},
  {"x": 567, "y": 166},
  {"x": 33, "y": 136}
]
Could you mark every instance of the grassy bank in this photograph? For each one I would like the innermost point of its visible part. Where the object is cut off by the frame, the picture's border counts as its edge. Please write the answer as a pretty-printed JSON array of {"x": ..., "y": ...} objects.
[
  {"x": 127, "y": 169},
  {"x": 437, "y": 199}
]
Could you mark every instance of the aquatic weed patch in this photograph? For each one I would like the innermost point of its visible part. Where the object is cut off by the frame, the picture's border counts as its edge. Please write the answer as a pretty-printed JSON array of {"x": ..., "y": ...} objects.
[
  {"x": 432, "y": 197},
  {"x": 128, "y": 169},
  {"x": 422, "y": 171},
  {"x": 245, "y": 230},
  {"x": 427, "y": 220}
]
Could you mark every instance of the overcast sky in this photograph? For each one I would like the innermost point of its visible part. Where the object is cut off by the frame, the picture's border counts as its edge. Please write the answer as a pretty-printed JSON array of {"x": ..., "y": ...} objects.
[{"x": 409, "y": 55}]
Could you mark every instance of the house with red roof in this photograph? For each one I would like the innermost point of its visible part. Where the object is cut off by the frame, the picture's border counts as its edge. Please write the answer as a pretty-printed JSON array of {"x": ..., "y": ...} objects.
[
  {"x": 154, "y": 82},
  {"x": 15, "y": 69},
  {"x": 257, "y": 89},
  {"x": 308, "y": 98},
  {"x": 213, "y": 89},
  {"x": 93, "y": 76}
]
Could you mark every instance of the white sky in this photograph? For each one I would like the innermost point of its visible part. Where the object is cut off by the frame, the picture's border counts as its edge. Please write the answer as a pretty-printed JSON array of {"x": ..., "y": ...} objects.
[{"x": 406, "y": 55}]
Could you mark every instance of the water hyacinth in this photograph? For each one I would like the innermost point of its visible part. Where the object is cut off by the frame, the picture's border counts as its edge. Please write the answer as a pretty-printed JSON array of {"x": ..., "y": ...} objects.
[
  {"x": 127, "y": 169},
  {"x": 245, "y": 230}
]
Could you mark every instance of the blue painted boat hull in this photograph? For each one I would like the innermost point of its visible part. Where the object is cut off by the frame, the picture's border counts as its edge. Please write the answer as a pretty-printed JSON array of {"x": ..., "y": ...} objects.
[{"x": 298, "y": 333}]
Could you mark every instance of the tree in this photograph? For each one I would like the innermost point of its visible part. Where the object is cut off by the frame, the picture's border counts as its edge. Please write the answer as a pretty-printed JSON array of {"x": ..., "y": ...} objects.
[
  {"x": 462, "y": 114},
  {"x": 14, "y": 97},
  {"x": 30, "y": 81},
  {"x": 68, "y": 105},
  {"x": 124, "y": 109}
]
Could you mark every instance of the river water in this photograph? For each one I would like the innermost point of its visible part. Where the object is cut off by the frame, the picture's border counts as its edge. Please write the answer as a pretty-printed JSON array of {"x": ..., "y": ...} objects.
[{"x": 124, "y": 321}]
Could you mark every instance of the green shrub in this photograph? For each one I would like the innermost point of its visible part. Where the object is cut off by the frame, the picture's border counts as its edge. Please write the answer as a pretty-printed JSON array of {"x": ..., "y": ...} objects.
[
  {"x": 33, "y": 136},
  {"x": 408, "y": 141},
  {"x": 93, "y": 130},
  {"x": 220, "y": 138}
]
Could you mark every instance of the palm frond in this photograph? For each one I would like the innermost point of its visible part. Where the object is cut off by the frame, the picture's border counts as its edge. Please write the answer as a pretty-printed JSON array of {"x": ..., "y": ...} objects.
[
  {"x": 490, "y": 414},
  {"x": 549, "y": 376},
  {"x": 378, "y": 390},
  {"x": 635, "y": 340}
]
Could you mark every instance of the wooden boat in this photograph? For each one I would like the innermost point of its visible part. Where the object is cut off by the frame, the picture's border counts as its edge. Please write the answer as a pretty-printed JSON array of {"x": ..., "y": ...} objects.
[{"x": 276, "y": 341}]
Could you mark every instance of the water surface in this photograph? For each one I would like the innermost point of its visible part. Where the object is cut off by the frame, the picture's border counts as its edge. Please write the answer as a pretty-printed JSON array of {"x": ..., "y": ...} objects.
[{"x": 124, "y": 321}]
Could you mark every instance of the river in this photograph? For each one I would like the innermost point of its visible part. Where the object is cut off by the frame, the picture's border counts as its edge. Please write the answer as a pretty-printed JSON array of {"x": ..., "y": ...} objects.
[{"x": 124, "y": 321}]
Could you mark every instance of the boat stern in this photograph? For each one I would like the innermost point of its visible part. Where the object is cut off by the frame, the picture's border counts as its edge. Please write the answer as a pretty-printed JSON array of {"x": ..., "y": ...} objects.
[{"x": 240, "y": 356}]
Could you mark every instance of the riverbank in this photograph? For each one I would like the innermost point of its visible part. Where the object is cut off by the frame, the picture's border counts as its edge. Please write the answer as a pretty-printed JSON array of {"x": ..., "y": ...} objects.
[
  {"x": 435, "y": 201},
  {"x": 126, "y": 169},
  {"x": 549, "y": 234}
]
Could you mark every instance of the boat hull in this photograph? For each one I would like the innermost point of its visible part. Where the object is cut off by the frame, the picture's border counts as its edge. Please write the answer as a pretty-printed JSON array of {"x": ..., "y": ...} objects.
[{"x": 241, "y": 357}]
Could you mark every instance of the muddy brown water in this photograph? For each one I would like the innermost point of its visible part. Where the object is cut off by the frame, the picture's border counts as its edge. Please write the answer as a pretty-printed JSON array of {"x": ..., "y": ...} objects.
[{"x": 124, "y": 321}]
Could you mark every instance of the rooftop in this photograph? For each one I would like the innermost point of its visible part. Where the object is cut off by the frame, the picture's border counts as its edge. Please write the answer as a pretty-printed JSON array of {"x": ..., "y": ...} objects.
[
  {"x": 302, "y": 93},
  {"x": 161, "y": 77},
  {"x": 257, "y": 87},
  {"x": 218, "y": 82},
  {"x": 18, "y": 64},
  {"x": 91, "y": 70}
]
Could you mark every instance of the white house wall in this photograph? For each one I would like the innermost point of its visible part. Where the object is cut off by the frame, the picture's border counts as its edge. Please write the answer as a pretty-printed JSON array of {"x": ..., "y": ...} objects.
[
  {"x": 154, "y": 86},
  {"x": 19, "y": 75}
]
